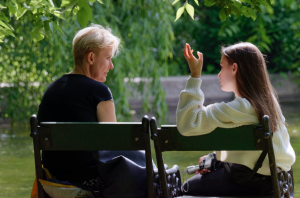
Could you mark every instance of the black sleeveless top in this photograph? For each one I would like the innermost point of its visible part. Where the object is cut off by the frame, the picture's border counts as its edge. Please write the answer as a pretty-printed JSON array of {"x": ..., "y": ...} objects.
[{"x": 72, "y": 98}]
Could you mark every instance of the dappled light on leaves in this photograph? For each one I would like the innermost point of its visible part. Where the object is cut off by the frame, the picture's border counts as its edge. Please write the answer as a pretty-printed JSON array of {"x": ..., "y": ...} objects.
[{"x": 146, "y": 33}]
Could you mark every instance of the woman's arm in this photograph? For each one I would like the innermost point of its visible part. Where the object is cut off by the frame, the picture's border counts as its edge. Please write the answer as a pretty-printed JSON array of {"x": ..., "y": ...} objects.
[
  {"x": 106, "y": 111},
  {"x": 193, "y": 118}
]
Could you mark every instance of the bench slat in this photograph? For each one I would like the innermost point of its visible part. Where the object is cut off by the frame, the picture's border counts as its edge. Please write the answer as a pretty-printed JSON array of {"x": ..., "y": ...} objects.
[
  {"x": 65, "y": 136},
  {"x": 172, "y": 140}
]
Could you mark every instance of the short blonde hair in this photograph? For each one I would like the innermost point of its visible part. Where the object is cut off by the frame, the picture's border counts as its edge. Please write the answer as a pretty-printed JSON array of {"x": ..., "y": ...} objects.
[{"x": 93, "y": 39}]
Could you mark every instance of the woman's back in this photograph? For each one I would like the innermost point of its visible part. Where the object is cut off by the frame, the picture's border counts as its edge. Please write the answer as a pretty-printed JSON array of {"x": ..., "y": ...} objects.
[{"x": 72, "y": 98}]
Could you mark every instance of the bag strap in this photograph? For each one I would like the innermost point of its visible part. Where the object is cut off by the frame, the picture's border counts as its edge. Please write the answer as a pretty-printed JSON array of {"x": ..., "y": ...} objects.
[{"x": 259, "y": 163}]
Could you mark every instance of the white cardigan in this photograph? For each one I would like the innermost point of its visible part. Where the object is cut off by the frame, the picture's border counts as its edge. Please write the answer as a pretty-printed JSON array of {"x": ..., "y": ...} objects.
[{"x": 195, "y": 119}]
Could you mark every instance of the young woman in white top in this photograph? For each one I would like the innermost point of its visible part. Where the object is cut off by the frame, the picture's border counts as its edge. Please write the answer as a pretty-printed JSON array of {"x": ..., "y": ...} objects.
[{"x": 243, "y": 72}]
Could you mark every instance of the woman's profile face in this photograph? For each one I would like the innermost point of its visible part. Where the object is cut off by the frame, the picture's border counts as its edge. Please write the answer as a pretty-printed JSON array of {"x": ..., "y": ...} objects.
[
  {"x": 227, "y": 76},
  {"x": 102, "y": 64}
]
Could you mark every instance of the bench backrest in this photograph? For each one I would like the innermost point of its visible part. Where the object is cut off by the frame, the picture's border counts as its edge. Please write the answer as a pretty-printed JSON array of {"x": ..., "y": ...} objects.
[
  {"x": 251, "y": 137},
  {"x": 89, "y": 136},
  {"x": 171, "y": 140}
]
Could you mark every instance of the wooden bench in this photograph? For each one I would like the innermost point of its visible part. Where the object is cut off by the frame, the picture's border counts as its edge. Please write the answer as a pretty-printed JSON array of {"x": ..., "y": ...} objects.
[
  {"x": 167, "y": 138},
  {"x": 89, "y": 136}
]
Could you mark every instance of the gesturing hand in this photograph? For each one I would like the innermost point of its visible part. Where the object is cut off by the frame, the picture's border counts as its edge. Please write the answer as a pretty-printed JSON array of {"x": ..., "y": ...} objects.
[{"x": 195, "y": 65}]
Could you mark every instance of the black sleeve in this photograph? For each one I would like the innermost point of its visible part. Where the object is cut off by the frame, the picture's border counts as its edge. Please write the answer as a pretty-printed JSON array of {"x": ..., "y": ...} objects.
[{"x": 102, "y": 93}]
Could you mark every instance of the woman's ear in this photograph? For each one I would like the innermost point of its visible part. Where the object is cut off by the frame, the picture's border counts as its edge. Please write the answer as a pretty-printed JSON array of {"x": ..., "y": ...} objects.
[
  {"x": 90, "y": 57},
  {"x": 234, "y": 68}
]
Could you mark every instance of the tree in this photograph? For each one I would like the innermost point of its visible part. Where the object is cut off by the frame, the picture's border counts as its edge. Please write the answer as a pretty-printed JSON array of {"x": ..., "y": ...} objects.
[
  {"x": 45, "y": 13},
  {"x": 29, "y": 65},
  {"x": 36, "y": 48}
]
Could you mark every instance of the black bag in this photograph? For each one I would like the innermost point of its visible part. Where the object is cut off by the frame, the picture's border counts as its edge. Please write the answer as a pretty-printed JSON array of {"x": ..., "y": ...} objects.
[
  {"x": 242, "y": 174},
  {"x": 122, "y": 174}
]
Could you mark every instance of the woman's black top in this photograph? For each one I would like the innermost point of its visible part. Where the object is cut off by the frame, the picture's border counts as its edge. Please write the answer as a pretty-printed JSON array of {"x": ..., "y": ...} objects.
[{"x": 72, "y": 98}]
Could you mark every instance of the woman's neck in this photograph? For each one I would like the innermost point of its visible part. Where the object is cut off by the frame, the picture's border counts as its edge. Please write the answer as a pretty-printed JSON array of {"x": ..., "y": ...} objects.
[{"x": 80, "y": 70}]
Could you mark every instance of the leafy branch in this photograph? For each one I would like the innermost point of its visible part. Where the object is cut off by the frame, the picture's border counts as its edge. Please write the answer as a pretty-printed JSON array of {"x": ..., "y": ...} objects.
[
  {"x": 247, "y": 8},
  {"x": 46, "y": 16}
]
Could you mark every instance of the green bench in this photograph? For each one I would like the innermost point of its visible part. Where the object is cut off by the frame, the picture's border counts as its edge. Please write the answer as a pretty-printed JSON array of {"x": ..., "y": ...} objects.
[
  {"x": 167, "y": 138},
  {"x": 135, "y": 136},
  {"x": 89, "y": 136}
]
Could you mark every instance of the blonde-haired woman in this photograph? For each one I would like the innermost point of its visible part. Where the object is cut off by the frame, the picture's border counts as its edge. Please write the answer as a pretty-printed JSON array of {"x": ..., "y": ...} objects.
[
  {"x": 82, "y": 96},
  {"x": 243, "y": 72}
]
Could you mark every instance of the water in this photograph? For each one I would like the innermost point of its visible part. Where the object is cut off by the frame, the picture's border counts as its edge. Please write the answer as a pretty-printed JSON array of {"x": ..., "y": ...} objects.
[
  {"x": 16, "y": 163},
  {"x": 17, "y": 158}
]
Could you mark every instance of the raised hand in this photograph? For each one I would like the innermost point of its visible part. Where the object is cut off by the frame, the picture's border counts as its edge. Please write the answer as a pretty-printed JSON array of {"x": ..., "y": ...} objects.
[{"x": 195, "y": 65}]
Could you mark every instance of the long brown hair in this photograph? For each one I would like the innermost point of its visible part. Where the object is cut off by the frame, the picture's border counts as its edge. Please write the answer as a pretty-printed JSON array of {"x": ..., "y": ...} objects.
[{"x": 253, "y": 81}]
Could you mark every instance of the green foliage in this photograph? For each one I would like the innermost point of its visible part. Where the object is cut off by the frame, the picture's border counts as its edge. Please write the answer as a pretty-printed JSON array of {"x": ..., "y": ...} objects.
[
  {"x": 179, "y": 13},
  {"x": 36, "y": 48},
  {"x": 276, "y": 32},
  {"x": 29, "y": 66},
  {"x": 247, "y": 8},
  {"x": 45, "y": 15},
  {"x": 190, "y": 10}
]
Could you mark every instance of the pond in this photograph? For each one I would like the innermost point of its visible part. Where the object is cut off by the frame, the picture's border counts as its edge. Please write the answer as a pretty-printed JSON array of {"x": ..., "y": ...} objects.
[{"x": 17, "y": 158}]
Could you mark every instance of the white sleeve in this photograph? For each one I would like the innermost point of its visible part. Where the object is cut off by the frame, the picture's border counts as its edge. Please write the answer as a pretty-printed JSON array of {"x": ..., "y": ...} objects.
[{"x": 195, "y": 119}]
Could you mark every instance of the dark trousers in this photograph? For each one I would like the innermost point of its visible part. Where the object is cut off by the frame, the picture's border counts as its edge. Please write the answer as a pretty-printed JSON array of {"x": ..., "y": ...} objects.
[{"x": 221, "y": 183}]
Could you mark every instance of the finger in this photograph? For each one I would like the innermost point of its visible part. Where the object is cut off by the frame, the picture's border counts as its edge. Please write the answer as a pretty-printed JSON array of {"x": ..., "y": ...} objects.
[
  {"x": 203, "y": 171},
  {"x": 200, "y": 55},
  {"x": 197, "y": 172},
  {"x": 190, "y": 51},
  {"x": 186, "y": 55}
]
